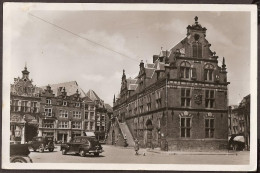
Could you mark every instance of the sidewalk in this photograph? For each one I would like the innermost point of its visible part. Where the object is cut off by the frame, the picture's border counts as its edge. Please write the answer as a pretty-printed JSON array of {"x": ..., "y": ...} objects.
[{"x": 157, "y": 150}]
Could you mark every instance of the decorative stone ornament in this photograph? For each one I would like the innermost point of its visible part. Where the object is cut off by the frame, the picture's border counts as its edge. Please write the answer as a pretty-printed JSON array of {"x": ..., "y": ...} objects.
[
  {"x": 185, "y": 114},
  {"x": 209, "y": 115}
]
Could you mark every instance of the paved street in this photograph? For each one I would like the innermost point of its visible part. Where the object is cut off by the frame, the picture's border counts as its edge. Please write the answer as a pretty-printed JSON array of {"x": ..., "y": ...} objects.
[{"x": 126, "y": 155}]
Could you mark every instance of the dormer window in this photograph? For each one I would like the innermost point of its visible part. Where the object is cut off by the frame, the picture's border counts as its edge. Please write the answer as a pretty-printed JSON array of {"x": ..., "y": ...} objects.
[
  {"x": 64, "y": 103},
  {"x": 185, "y": 70},
  {"x": 77, "y": 104},
  {"x": 48, "y": 101}
]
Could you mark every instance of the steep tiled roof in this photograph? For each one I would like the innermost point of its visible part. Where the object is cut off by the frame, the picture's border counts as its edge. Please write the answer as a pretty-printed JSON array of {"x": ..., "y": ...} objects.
[
  {"x": 149, "y": 72},
  {"x": 87, "y": 99},
  {"x": 160, "y": 66},
  {"x": 132, "y": 86},
  {"x": 130, "y": 81},
  {"x": 92, "y": 95},
  {"x": 150, "y": 65},
  {"x": 70, "y": 87},
  {"x": 108, "y": 107}
]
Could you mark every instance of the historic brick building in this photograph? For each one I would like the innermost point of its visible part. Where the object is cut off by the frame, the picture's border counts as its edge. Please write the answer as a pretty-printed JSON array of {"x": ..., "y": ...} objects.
[
  {"x": 61, "y": 110},
  {"x": 179, "y": 101},
  {"x": 24, "y": 109},
  {"x": 67, "y": 112},
  {"x": 239, "y": 120},
  {"x": 62, "y": 115}
]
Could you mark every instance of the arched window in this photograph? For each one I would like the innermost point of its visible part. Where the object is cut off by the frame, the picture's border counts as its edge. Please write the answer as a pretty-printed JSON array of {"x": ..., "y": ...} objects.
[
  {"x": 185, "y": 68},
  {"x": 197, "y": 50},
  {"x": 208, "y": 72}
]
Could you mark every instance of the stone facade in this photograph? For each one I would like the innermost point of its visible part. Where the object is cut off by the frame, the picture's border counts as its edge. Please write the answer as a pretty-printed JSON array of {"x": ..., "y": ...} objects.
[
  {"x": 180, "y": 100},
  {"x": 60, "y": 110},
  {"x": 24, "y": 109},
  {"x": 62, "y": 116}
]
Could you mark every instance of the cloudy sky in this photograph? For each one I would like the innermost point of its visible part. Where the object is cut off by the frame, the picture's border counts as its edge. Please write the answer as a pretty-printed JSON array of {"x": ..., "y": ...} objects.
[{"x": 54, "y": 55}]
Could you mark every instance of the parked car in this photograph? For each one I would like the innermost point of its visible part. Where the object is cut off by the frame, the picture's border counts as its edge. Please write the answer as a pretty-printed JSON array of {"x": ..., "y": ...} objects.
[
  {"x": 236, "y": 142},
  {"x": 82, "y": 145},
  {"x": 19, "y": 153},
  {"x": 42, "y": 143}
]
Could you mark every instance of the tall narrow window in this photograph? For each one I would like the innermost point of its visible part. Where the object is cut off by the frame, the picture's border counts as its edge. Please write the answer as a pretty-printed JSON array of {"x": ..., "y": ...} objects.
[
  {"x": 185, "y": 97},
  {"x": 209, "y": 98},
  {"x": 197, "y": 50},
  {"x": 185, "y": 127},
  {"x": 209, "y": 128},
  {"x": 185, "y": 70},
  {"x": 208, "y": 72}
]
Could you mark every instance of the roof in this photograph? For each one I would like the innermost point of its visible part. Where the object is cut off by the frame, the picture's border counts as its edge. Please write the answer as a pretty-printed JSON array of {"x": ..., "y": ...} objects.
[
  {"x": 164, "y": 53},
  {"x": 108, "y": 107},
  {"x": 70, "y": 87},
  {"x": 133, "y": 86},
  {"x": 149, "y": 72},
  {"x": 87, "y": 99},
  {"x": 150, "y": 65},
  {"x": 130, "y": 81},
  {"x": 92, "y": 95}
]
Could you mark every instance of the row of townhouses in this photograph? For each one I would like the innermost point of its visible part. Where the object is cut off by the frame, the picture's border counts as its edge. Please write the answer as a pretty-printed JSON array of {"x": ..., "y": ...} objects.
[
  {"x": 239, "y": 120},
  {"x": 61, "y": 110},
  {"x": 178, "y": 102}
]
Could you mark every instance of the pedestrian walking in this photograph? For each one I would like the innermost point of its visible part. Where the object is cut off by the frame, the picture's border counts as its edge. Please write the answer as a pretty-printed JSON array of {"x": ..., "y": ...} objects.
[{"x": 136, "y": 146}]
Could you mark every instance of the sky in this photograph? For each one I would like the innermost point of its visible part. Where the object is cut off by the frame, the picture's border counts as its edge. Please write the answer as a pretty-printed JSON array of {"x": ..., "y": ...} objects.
[{"x": 54, "y": 55}]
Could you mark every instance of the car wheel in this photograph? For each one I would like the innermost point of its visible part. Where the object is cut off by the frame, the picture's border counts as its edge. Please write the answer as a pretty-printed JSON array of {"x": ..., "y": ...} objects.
[
  {"x": 96, "y": 154},
  {"x": 18, "y": 160},
  {"x": 64, "y": 151},
  {"x": 51, "y": 149},
  {"x": 82, "y": 153},
  {"x": 41, "y": 148}
]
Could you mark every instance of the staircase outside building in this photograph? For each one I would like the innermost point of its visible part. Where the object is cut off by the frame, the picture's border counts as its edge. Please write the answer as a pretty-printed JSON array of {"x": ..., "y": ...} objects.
[{"x": 127, "y": 134}]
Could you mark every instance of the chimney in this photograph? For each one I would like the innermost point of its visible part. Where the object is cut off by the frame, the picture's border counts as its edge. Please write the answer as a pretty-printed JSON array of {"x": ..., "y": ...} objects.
[
  {"x": 155, "y": 57},
  {"x": 141, "y": 64}
]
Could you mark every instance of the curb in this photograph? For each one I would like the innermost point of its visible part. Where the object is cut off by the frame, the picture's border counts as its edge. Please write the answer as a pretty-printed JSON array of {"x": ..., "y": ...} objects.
[{"x": 190, "y": 153}]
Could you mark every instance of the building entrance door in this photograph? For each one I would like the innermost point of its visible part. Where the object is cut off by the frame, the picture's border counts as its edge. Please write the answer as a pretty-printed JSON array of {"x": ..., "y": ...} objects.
[
  {"x": 149, "y": 136},
  {"x": 113, "y": 137},
  {"x": 149, "y": 139}
]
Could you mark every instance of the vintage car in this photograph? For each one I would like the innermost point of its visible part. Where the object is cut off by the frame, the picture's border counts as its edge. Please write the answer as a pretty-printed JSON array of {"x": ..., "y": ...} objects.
[
  {"x": 19, "y": 153},
  {"x": 82, "y": 145},
  {"x": 42, "y": 143},
  {"x": 236, "y": 142}
]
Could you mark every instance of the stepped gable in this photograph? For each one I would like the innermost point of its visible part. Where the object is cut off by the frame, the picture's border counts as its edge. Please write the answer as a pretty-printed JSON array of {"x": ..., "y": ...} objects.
[{"x": 70, "y": 87}]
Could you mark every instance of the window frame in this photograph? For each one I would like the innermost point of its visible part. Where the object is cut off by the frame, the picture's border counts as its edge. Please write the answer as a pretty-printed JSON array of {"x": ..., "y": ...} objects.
[
  {"x": 210, "y": 128},
  {"x": 187, "y": 129},
  {"x": 185, "y": 97},
  {"x": 209, "y": 68},
  {"x": 209, "y": 100},
  {"x": 185, "y": 70}
]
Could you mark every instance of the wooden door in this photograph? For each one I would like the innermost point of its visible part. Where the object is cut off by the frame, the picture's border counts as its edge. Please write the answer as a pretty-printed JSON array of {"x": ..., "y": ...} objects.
[{"x": 149, "y": 138}]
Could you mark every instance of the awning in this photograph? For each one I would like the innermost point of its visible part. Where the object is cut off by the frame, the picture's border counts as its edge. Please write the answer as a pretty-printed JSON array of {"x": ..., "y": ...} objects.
[{"x": 90, "y": 133}]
